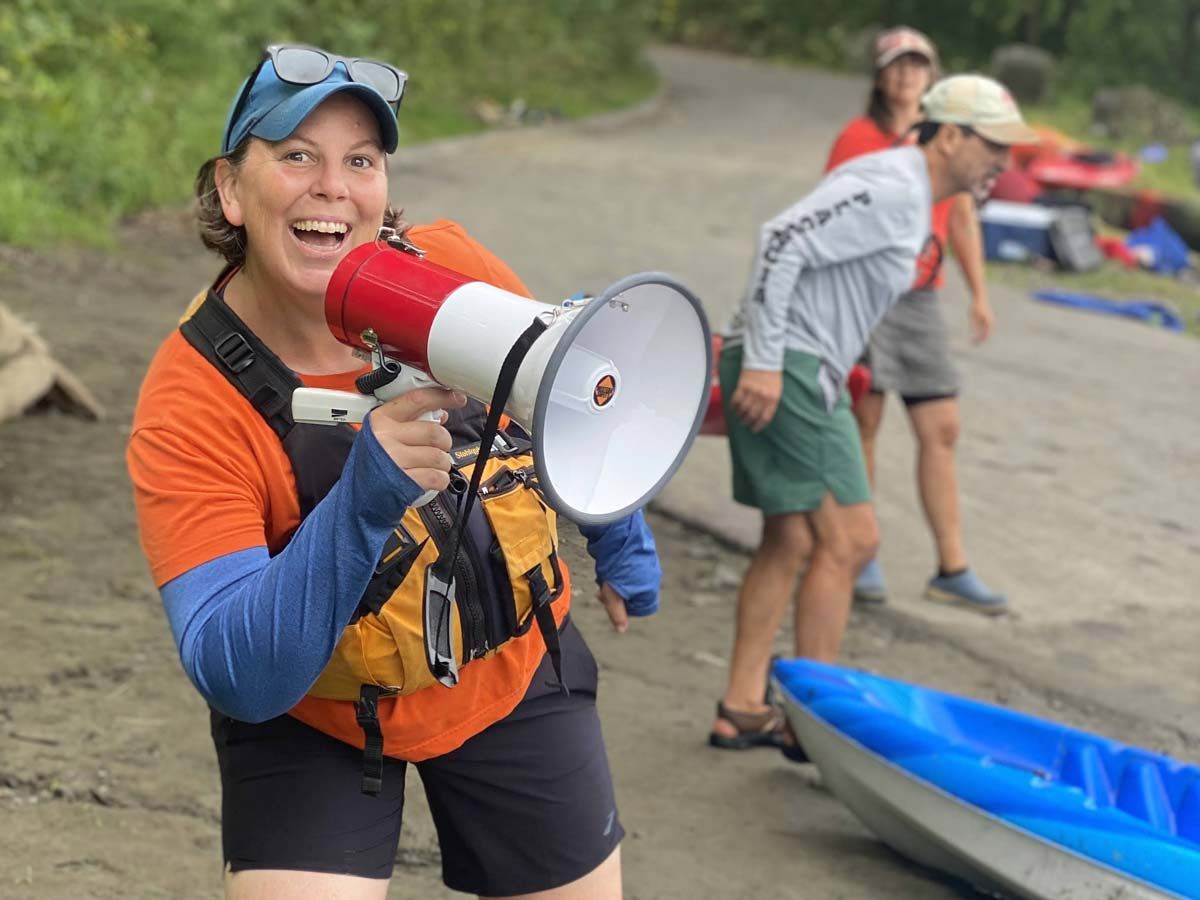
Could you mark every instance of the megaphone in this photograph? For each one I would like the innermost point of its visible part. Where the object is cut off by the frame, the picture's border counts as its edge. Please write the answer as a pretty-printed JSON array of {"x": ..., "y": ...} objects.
[{"x": 611, "y": 393}]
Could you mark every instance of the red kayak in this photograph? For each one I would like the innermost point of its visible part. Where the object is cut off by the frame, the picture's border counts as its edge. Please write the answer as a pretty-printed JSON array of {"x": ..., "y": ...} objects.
[{"x": 1082, "y": 171}]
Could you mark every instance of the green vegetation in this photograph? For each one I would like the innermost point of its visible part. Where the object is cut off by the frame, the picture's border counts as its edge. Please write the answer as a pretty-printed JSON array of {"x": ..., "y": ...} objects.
[
  {"x": 1098, "y": 43},
  {"x": 108, "y": 108}
]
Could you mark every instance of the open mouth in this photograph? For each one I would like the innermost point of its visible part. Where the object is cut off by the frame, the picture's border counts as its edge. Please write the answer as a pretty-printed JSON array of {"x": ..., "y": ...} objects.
[{"x": 323, "y": 235}]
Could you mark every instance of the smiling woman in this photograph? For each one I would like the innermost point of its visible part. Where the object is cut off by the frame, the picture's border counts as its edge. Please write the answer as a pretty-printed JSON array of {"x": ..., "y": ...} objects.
[
  {"x": 303, "y": 202},
  {"x": 291, "y": 558},
  {"x": 228, "y": 238}
]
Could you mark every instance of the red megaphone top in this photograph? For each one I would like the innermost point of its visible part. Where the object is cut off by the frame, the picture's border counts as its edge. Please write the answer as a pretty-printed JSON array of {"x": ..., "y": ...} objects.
[{"x": 395, "y": 293}]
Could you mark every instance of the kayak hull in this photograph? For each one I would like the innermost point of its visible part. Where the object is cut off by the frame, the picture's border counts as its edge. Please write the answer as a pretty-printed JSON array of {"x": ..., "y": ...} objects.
[{"x": 1008, "y": 854}]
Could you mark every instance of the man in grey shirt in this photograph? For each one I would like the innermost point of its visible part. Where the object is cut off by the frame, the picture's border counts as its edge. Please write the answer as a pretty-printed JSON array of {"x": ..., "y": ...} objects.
[{"x": 826, "y": 271}]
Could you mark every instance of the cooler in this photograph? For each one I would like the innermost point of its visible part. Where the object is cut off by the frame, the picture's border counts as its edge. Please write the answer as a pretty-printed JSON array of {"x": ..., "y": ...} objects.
[{"x": 1016, "y": 231}]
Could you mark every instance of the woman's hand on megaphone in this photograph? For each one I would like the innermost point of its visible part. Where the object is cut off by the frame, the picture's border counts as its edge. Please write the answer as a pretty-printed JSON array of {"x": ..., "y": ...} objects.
[
  {"x": 756, "y": 397},
  {"x": 418, "y": 446}
]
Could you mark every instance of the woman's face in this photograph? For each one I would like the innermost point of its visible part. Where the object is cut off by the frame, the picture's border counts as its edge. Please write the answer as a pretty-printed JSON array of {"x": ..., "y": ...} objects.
[
  {"x": 308, "y": 200},
  {"x": 905, "y": 79}
]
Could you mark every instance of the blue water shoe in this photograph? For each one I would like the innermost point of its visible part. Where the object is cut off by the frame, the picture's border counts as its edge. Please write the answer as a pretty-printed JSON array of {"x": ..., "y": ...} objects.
[
  {"x": 870, "y": 587},
  {"x": 967, "y": 590}
]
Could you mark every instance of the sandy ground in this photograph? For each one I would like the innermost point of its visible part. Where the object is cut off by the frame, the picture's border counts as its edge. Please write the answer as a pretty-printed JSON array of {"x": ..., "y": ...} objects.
[{"x": 1079, "y": 461}]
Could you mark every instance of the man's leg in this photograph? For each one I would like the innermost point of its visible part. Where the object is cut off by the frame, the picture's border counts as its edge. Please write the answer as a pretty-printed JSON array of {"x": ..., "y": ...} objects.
[
  {"x": 845, "y": 538},
  {"x": 869, "y": 585},
  {"x": 868, "y": 412},
  {"x": 936, "y": 426},
  {"x": 766, "y": 591}
]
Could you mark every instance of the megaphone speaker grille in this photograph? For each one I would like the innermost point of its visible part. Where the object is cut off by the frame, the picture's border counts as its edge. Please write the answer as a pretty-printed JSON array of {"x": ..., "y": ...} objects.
[{"x": 621, "y": 398}]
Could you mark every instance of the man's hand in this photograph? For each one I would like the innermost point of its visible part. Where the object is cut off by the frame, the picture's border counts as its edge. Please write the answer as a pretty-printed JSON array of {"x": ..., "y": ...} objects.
[
  {"x": 756, "y": 397},
  {"x": 421, "y": 448},
  {"x": 614, "y": 605},
  {"x": 981, "y": 319}
]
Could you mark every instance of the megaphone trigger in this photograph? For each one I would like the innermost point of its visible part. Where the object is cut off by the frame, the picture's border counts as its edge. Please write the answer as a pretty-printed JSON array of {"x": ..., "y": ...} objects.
[{"x": 322, "y": 406}]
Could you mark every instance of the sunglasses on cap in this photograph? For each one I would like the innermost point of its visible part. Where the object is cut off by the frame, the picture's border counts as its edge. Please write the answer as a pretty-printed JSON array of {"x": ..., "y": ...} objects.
[{"x": 303, "y": 65}]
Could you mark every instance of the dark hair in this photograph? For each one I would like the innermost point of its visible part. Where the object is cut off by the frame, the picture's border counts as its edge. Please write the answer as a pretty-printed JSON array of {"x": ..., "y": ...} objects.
[
  {"x": 217, "y": 233},
  {"x": 877, "y": 108},
  {"x": 926, "y": 131}
]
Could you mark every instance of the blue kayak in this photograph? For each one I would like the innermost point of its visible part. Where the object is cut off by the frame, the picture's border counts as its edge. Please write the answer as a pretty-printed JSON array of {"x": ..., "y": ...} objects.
[{"x": 1015, "y": 804}]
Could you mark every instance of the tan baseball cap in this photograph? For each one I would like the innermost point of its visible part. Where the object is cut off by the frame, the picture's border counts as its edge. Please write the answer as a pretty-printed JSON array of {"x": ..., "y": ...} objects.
[
  {"x": 982, "y": 104},
  {"x": 895, "y": 42}
]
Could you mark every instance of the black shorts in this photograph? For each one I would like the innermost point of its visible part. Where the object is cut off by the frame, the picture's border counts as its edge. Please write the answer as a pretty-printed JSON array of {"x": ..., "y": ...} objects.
[{"x": 526, "y": 805}]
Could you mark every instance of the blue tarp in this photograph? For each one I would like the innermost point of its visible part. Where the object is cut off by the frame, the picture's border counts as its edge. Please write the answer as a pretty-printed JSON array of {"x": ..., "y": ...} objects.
[
  {"x": 1170, "y": 252},
  {"x": 1145, "y": 310}
]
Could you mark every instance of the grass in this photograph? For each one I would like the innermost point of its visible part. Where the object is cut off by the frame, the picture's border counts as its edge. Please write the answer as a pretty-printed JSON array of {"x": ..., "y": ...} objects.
[
  {"x": 576, "y": 101},
  {"x": 570, "y": 99},
  {"x": 108, "y": 109},
  {"x": 124, "y": 173}
]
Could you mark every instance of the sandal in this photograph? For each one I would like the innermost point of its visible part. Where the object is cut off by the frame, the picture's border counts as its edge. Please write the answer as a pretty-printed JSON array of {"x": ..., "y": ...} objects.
[{"x": 765, "y": 729}]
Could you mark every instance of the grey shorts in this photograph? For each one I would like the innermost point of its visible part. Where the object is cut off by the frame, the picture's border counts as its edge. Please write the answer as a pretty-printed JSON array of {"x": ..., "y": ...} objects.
[{"x": 910, "y": 351}]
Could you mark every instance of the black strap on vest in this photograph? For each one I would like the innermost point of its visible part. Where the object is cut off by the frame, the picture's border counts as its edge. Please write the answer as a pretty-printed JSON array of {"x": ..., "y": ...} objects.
[
  {"x": 541, "y": 592},
  {"x": 504, "y": 384},
  {"x": 366, "y": 712},
  {"x": 544, "y": 616},
  {"x": 317, "y": 452},
  {"x": 261, "y": 376}
]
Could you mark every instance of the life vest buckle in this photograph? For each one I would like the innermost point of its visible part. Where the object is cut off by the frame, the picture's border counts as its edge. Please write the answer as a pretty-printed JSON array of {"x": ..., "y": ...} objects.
[{"x": 234, "y": 351}]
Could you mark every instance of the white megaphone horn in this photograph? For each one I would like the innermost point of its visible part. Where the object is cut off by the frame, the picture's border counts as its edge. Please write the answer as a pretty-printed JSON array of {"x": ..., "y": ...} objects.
[{"x": 611, "y": 393}]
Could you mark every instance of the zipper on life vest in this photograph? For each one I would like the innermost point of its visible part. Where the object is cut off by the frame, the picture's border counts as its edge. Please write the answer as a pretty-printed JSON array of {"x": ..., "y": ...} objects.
[
  {"x": 440, "y": 525},
  {"x": 504, "y": 481}
]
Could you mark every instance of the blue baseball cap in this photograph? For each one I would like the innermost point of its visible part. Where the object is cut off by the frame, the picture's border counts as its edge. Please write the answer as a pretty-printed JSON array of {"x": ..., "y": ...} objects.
[{"x": 275, "y": 108}]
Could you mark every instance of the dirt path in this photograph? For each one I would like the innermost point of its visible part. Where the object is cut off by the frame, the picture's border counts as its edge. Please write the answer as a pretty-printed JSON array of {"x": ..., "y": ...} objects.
[{"x": 108, "y": 787}]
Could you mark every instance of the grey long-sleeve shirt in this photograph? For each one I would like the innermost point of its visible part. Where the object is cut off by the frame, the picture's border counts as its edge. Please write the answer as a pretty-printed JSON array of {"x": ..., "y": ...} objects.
[{"x": 830, "y": 266}]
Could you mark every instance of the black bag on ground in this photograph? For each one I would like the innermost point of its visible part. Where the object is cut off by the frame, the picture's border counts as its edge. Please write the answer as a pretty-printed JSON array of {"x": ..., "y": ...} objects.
[{"x": 1074, "y": 242}]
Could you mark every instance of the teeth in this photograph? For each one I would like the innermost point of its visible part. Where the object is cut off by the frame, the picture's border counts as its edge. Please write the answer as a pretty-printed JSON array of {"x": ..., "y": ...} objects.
[{"x": 318, "y": 225}]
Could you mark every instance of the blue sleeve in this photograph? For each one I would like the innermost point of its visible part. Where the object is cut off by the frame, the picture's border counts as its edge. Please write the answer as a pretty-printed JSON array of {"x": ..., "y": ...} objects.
[
  {"x": 254, "y": 632},
  {"x": 627, "y": 559}
]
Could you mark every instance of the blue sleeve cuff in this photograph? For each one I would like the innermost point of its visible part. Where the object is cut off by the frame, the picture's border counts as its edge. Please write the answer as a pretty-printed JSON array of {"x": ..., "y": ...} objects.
[{"x": 627, "y": 559}]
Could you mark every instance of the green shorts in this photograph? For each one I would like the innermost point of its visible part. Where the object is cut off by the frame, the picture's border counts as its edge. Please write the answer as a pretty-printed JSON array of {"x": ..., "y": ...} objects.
[{"x": 804, "y": 453}]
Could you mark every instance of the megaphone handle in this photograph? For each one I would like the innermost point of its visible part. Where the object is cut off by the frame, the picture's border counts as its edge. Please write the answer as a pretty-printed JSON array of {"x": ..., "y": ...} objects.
[{"x": 410, "y": 379}]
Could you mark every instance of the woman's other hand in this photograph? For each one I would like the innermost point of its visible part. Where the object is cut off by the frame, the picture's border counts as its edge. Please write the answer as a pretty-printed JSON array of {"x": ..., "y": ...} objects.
[
  {"x": 418, "y": 446},
  {"x": 614, "y": 605},
  {"x": 981, "y": 319}
]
